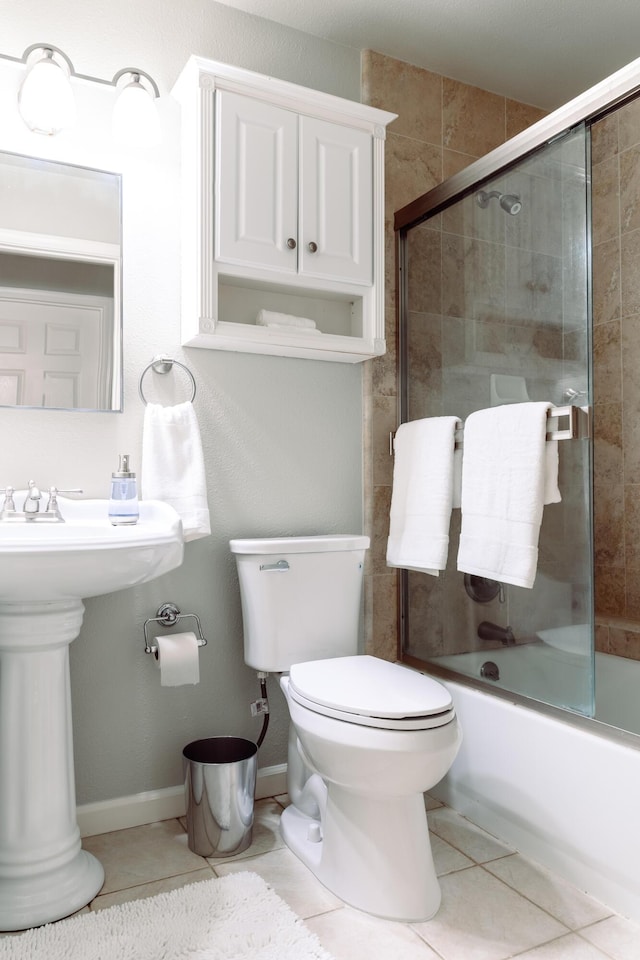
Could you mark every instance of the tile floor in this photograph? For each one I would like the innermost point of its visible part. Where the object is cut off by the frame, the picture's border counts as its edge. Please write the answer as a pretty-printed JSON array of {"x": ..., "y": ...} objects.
[{"x": 495, "y": 903}]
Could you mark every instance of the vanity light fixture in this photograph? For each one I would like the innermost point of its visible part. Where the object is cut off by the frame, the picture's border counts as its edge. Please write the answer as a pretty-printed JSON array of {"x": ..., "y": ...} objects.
[
  {"x": 47, "y": 105},
  {"x": 135, "y": 118},
  {"x": 45, "y": 100}
]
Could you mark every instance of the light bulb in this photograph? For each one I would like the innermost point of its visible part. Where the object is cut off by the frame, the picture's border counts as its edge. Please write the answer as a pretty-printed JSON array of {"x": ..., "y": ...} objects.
[
  {"x": 135, "y": 118},
  {"x": 45, "y": 101}
]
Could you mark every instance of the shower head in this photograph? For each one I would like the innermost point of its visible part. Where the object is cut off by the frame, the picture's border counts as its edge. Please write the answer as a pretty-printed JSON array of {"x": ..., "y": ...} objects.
[
  {"x": 511, "y": 203},
  {"x": 508, "y": 201}
]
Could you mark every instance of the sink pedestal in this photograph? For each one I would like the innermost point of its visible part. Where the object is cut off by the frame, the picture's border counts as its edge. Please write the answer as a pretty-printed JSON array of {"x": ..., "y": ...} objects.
[{"x": 44, "y": 873}]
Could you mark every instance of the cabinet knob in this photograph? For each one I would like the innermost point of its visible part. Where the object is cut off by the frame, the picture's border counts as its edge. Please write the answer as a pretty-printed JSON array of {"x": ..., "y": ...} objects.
[
  {"x": 312, "y": 247},
  {"x": 291, "y": 243}
]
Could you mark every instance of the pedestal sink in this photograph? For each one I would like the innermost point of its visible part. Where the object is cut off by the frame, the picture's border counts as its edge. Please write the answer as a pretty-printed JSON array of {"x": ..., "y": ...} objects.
[{"x": 46, "y": 569}]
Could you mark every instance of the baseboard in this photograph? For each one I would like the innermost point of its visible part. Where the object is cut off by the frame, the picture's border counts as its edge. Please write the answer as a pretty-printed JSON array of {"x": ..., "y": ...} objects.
[{"x": 123, "y": 812}]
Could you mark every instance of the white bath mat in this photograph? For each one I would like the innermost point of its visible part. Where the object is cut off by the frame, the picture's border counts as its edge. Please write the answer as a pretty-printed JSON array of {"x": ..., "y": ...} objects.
[{"x": 233, "y": 918}]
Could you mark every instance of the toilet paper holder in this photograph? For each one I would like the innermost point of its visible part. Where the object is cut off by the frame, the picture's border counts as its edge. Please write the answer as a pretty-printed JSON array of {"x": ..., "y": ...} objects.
[{"x": 169, "y": 615}]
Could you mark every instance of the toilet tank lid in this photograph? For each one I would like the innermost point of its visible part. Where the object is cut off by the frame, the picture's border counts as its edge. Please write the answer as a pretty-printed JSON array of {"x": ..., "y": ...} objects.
[{"x": 316, "y": 544}]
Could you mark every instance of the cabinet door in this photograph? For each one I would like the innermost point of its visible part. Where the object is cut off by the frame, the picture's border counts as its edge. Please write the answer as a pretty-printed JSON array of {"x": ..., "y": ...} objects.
[
  {"x": 256, "y": 183},
  {"x": 336, "y": 196}
]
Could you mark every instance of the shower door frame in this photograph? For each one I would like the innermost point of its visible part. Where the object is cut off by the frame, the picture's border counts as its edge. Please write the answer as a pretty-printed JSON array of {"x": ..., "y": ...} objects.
[{"x": 595, "y": 103}]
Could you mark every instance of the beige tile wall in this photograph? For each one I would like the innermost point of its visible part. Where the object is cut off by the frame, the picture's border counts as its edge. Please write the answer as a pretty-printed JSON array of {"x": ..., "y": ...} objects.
[
  {"x": 442, "y": 126},
  {"x": 616, "y": 314}
]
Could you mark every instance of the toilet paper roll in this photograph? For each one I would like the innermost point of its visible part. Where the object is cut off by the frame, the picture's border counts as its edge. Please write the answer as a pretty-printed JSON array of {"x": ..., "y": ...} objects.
[{"x": 178, "y": 659}]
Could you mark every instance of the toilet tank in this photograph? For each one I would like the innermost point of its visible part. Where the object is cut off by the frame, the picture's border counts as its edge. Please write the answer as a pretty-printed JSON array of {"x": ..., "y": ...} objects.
[{"x": 300, "y": 598}]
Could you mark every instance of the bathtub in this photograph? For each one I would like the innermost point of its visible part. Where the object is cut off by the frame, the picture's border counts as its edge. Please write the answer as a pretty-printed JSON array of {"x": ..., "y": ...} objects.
[{"x": 562, "y": 789}]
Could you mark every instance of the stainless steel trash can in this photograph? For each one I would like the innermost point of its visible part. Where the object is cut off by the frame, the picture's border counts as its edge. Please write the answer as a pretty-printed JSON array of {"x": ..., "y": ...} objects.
[{"x": 220, "y": 786}]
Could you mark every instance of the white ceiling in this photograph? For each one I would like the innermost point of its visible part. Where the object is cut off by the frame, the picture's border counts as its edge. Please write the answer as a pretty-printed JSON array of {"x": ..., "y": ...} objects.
[{"x": 541, "y": 52}]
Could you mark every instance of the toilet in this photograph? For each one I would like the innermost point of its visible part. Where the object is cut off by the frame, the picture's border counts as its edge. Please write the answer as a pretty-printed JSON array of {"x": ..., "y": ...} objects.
[{"x": 367, "y": 737}]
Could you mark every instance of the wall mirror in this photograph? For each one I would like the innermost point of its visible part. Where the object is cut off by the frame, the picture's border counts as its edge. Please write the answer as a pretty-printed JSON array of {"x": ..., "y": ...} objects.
[{"x": 60, "y": 286}]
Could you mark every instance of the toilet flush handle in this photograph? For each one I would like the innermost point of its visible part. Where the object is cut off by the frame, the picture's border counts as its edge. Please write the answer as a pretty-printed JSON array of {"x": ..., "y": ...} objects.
[{"x": 281, "y": 566}]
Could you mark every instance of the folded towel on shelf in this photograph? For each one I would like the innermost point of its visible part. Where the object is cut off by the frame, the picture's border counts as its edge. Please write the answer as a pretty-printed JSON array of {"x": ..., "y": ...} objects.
[
  {"x": 173, "y": 465},
  {"x": 509, "y": 471},
  {"x": 269, "y": 318},
  {"x": 290, "y": 328},
  {"x": 422, "y": 495}
]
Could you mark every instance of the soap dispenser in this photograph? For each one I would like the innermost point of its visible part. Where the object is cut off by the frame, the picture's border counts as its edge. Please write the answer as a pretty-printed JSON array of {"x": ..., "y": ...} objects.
[{"x": 123, "y": 504}]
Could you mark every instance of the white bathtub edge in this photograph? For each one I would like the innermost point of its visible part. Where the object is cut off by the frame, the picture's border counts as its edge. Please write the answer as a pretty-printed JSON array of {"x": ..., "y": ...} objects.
[{"x": 561, "y": 796}]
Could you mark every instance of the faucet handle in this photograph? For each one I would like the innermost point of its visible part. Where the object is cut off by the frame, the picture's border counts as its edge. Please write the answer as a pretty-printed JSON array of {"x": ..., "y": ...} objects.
[
  {"x": 52, "y": 503},
  {"x": 8, "y": 499}
]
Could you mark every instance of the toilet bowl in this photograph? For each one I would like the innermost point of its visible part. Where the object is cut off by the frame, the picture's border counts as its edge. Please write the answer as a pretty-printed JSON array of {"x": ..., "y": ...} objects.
[
  {"x": 358, "y": 817},
  {"x": 367, "y": 738}
]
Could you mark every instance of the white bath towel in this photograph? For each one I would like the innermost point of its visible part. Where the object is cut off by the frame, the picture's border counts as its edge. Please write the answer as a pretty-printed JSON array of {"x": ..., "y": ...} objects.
[
  {"x": 173, "y": 465},
  {"x": 269, "y": 318},
  {"x": 422, "y": 495},
  {"x": 509, "y": 471}
]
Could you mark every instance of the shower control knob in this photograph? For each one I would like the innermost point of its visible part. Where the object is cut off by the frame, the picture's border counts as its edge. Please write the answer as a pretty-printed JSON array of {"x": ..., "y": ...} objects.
[
  {"x": 312, "y": 247},
  {"x": 291, "y": 243}
]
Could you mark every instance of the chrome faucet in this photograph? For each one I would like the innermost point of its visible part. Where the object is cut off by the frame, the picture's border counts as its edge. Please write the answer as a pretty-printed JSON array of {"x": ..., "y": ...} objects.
[
  {"x": 31, "y": 511},
  {"x": 32, "y": 499}
]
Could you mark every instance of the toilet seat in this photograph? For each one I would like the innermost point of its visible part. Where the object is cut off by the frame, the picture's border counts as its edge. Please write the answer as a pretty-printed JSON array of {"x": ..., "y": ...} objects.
[{"x": 372, "y": 692}]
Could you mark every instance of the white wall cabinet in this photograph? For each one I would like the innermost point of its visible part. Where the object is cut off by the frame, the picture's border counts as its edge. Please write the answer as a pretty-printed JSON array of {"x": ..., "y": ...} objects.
[
  {"x": 295, "y": 192},
  {"x": 283, "y": 210}
]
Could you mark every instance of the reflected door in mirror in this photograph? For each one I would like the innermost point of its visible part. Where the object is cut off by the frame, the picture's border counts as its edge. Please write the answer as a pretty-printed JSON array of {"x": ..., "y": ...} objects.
[
  {"x": 55, "y": 350},
  {"x": 60, "y": 285}
]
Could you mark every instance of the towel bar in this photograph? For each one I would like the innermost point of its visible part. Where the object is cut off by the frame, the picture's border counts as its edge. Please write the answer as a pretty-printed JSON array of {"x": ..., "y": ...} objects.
[
  {"x": 164, "y": 365},
  {"x": 579, "y": 426},
  {"x": 168, "y": 615}
]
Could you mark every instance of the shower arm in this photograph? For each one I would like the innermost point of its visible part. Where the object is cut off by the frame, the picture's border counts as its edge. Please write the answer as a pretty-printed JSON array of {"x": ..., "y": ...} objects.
[{"x": 484, "y": 196}]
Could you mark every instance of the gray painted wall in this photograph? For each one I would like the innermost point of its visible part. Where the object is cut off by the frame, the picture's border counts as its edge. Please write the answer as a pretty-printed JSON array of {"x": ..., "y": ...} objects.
[{"x": 282, "y": 437}]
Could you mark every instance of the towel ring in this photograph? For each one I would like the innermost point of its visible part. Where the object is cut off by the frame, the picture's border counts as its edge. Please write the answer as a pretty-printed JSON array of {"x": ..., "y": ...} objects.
[{"x": 164, "y": 365}]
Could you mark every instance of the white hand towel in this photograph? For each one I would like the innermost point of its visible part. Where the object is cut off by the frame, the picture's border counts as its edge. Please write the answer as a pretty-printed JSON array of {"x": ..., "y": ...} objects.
[
  {"x": 173, "y": 465},
  {"x": 268, "y": 318},
  {"x": 509, "y": 471},
  {"x": 422, "y": 496}
]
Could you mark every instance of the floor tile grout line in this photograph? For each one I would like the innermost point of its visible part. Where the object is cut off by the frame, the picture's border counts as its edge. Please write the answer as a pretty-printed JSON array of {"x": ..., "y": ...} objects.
[
  {"x": 603, "y": 950},
  {"x": 535, "y": 902},
  {"x": 508, "y": 852},
  {"x": 469, "y": 856},
  {"x": 424, "y": 941},
  {"x": 532, "y": 902},
  {"x": 523, "y": 953},
  {"x": 321, "y": 913},
  {"x": 146, "y": 883}
]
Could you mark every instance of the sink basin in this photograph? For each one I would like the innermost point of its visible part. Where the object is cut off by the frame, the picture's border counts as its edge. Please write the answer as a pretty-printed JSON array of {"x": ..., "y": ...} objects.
[
  {"x": 86, "y": 556},
  {"x": 46, "y": 570}
]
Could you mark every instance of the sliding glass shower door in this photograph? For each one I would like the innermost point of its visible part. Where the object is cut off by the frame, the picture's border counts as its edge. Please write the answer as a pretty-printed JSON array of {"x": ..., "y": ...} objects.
[{"x": 494, "y": 293}]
